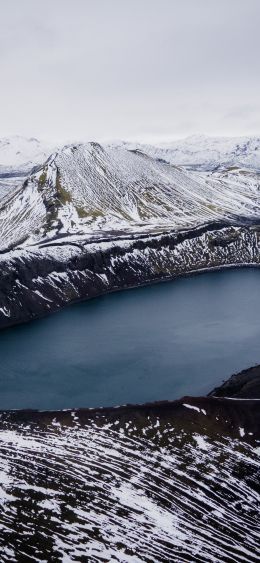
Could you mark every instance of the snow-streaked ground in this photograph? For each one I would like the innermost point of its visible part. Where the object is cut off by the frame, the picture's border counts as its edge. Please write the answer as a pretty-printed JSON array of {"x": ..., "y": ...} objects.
[{"x": 131, "y": 486}]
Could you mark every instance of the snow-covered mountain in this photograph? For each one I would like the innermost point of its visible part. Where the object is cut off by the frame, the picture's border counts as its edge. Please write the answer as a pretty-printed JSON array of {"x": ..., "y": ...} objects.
[
  {"x": 200, "y": 152},
  {"x": 91, "y": 190},
  {"x": 18, "y": 155},
  {"x": 197, "y": 152},
  {"x": 93, "y": 218},
  {"x": 22, "y": 153}
]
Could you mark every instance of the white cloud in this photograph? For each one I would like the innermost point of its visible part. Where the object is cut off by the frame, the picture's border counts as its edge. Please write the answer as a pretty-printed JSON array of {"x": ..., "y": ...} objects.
[{"x": 86, "y": 69}]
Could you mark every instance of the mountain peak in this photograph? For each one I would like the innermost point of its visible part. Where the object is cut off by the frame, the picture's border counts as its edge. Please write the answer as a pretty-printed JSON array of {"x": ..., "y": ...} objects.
[{"x": 18, "y": 151}]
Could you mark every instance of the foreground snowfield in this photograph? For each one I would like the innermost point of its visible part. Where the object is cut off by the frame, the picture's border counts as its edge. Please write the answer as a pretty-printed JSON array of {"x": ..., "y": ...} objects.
[{"x": 167, "y": 482}]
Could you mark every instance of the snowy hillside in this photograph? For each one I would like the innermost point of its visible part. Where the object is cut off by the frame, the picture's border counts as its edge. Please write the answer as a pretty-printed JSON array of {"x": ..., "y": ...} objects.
[
  {"x": 88, "y": 189},
  {"x": 176, "y": 482},
  {"x": 94, "y": 218}
]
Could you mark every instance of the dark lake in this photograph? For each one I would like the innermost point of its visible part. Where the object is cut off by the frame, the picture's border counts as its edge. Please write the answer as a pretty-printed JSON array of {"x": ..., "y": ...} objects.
[{"x": 159, "y": 342}]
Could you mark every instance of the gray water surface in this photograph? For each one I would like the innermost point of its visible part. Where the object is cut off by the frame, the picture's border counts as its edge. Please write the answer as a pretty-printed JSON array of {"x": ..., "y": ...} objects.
[{"x": 153, "y": 343}]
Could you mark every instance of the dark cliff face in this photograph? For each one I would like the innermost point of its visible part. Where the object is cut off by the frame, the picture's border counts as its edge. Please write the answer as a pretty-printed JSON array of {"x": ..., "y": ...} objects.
[
  {"x": 244, "y": 385},
  {"x": 43, "y": 278}
]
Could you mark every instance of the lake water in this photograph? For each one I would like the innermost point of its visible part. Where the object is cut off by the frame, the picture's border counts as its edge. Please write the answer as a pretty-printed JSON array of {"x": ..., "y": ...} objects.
[{"x": 153, "y": 343}]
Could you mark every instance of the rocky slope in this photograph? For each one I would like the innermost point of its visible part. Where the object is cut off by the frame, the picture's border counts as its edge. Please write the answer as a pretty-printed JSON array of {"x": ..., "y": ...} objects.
[
  {"x": 245, "y": 384},
  {"x": 94, "y": 219},
  {"x": 150, "y": 484}
]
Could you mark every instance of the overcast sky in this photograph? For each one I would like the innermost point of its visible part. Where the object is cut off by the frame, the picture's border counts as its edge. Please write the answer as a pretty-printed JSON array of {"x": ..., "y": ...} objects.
[{"x": 143, "y": 69}]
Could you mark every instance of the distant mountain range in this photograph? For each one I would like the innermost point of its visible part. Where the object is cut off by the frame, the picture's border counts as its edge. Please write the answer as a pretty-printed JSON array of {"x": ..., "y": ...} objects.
[
  {"x": 22, "y": 153},
  {"x": 197, "y": 151},
  {"x": 18, "y": 155},
  {"x": 200, "y": 152}
]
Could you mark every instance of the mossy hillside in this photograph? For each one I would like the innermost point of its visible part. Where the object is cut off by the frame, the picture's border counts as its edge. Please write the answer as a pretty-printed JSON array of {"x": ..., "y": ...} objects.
[
  {"x": 87, "y": 213},
  {"x": 63, "y": 195},
  {"x": 42, "y": 179}
]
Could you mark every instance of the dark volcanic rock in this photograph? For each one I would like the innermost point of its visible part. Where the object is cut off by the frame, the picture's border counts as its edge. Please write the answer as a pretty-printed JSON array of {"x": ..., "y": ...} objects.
[
  {"x": 160, "y": 482},
  {"x": 43, "y": 278},
  {"x": 245, "y": 384}
]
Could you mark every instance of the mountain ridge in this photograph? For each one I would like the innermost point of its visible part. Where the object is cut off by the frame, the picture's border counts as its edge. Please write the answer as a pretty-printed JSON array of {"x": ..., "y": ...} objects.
[
  {"x": 89, "y": 189},
  {"x": 96, "y": 218},
  {"x": 197, "y": 150},
  {"x": 201, "y": 152}
]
